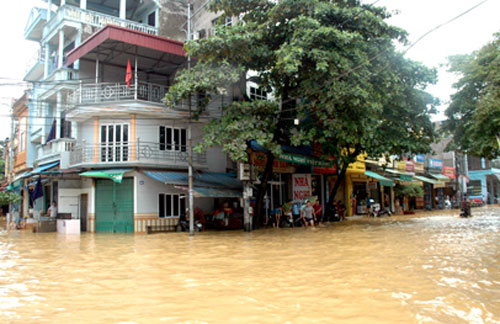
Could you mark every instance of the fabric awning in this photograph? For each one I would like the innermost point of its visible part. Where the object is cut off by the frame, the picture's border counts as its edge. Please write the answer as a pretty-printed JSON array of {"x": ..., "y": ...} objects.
[
  {"x": 113, "y": 174},
  {"x": 441, "y": 177},
  {"x": 427, "y": 180},
  {"x": 207, "y": 184},
  {"x": 204, "y": 192},
  {"x": 402, "y": 175},
  {"x": 383, "y": 180},
  {"x": 42, "y": 168}
]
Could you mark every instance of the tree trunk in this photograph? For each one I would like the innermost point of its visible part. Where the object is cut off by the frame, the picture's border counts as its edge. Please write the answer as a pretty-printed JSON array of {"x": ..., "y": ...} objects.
[
  {"x": 340, "y": 177},
  {"x": 261, "y": 191}
]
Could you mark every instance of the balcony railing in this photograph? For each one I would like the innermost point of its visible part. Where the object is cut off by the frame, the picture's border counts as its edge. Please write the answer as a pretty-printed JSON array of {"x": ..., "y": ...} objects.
[
  {"x": 54, "y": 148},
  {"x": 139, "y": 152},
  {"x": 114, "y": 92},
  {"x": 94, "y": 18}
]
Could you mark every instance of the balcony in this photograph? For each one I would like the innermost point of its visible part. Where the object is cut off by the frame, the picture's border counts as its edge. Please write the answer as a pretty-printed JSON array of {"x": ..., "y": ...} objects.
[
  {"x": 76, "y": 15},
  {"x": 56, "y": 150},
  {"x": 116, "y": 92},
  {"x": 89, "y": 100},
  {"x": 37, "y": 68},
  {"x": 34, "y": 28},
  {"x": 138, "y": 153}
]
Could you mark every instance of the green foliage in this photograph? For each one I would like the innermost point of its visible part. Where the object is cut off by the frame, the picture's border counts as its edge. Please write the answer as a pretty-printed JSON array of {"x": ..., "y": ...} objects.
[
  {"x": 408, "y": 190},
  {"x": 474, "y": 111},
  {"x": 9, "y": 197},
  {"x": 336, "y": 58}
]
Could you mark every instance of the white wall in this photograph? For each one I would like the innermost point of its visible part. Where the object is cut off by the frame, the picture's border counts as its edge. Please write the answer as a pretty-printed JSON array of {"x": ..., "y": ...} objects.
[{"x": 69, "y": 196}]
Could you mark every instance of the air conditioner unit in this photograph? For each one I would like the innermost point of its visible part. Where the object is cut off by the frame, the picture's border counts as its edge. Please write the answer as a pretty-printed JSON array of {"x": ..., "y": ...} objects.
[{"x": 195, "y": 36}]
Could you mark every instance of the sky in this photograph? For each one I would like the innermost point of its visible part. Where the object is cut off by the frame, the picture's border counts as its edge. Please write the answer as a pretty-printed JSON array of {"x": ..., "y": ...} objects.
[{"x": 462, "y": 36}]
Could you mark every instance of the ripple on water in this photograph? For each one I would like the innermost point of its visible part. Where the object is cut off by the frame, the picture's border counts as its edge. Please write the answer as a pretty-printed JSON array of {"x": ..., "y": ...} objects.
[{"x": 418, "y": 269}]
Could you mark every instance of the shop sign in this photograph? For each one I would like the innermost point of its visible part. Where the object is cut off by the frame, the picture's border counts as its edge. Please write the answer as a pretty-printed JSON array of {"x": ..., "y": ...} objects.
[
  {"x": 259, "y": 160},
  {"x": 418, "y": 166},
  {"x": 372, "y": 185},
  {"x": 420, "y": 158},
  {"x": 449, "y": 172},
  {"x": 331, "y": 170},
  {"x": 435, "y": 164},
  {"x": 428, "y": 196},
  {"x": 301, "y": 186},
  {"x": 304, "y": 160},
  {"x": 410, "y": 167},
  {"x": 400, "y": 165}
]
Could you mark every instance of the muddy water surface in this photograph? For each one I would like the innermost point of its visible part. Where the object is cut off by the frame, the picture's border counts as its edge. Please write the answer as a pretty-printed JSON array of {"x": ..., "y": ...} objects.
[{"x": 436, "y": 268}]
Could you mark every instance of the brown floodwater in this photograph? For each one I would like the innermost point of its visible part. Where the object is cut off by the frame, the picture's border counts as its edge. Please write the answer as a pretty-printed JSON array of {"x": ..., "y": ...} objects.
[{"x": 431, "y": 268}]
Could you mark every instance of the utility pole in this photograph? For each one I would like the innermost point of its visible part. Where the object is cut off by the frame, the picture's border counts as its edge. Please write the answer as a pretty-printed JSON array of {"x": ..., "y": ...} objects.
[
  {"x": 190, "y": 138},
  {"x": 189, "y": 33}
]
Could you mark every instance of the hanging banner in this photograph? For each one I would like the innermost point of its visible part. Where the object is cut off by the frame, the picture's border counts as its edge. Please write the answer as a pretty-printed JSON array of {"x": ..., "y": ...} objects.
[{"x": 301, "y": 186}]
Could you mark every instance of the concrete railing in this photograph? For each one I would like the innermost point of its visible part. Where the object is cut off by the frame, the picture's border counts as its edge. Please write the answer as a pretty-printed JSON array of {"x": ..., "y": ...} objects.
[
  {"x": 95, "y": 19},
  {"x": 138, "y": 152}
]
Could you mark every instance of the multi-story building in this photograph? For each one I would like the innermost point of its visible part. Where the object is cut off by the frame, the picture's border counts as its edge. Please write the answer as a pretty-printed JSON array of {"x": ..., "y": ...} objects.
[
  {"x": 484, "y": 180},
  {"x": 109, "y": 151}
]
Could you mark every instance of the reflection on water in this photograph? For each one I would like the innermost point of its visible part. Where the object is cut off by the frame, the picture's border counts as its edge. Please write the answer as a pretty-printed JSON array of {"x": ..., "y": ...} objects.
[{"x": 439, "y": 269}]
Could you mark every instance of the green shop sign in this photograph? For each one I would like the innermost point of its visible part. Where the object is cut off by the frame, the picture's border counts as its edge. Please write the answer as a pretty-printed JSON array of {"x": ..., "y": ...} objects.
[{"x": 303, "y": 160}]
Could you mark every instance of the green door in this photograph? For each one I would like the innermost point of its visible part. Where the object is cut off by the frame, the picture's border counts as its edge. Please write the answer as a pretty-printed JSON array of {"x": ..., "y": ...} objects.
[{"x": 114, "y": 206}]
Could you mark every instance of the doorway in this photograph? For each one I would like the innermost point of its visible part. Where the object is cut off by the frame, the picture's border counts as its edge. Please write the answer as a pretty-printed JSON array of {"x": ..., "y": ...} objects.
[{"x": 83, "y": 212}]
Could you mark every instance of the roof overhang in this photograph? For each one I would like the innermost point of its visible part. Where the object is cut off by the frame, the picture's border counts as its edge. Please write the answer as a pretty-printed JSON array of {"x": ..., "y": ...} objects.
[{"x": 116, "y": 45}]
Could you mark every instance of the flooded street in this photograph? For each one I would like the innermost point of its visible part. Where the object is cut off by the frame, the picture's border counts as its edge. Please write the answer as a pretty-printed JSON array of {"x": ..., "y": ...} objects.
[{"x": 434, "y": 268}]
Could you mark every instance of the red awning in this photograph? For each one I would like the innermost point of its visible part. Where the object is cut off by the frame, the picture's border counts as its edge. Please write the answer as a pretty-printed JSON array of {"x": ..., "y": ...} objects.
[{"x": 147, "y": 46}]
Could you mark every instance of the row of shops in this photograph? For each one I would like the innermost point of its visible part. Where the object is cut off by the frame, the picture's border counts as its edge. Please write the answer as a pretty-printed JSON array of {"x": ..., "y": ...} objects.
[{"x": 137, "y": 200}]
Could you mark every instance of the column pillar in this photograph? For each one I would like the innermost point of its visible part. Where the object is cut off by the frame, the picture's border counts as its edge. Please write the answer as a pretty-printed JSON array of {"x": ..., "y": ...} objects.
[
  {"x": 123, "y": 9},
  {"x": 133, "y": 137},
  {"x": 49, "y": 9},
  {"x": 83, "y": 4},
  {"x": 58, "y": 114},
  {"x": 96, "y": 139},
  {"x": 63, "y": 2},
  {"x": 46, "y": 65},
  {"x": 60, "y": 58},
  {"x": 78, "y": 41},
  {"x": 97, "y": 71}
]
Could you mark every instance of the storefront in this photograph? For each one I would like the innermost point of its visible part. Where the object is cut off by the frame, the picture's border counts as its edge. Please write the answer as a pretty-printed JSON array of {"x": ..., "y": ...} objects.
[{"x": 356, "y": 188}]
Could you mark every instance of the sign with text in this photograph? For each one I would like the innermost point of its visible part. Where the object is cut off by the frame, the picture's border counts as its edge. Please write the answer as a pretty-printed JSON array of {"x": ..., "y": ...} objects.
[
  {"x": 259, "y": 160},
  {"x": 301, "y": 186},
  {"x": 435, "y": 164},
  {"x": 449, "y": 172}
]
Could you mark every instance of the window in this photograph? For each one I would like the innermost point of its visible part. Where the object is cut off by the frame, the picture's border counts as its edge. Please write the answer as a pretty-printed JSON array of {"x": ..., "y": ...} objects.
[
  {"x": 152, "y": 19},
  {"x": 228, "y": 22},
  {"x": 114, "y": 142},
  {"x": 172, "y": 139},
  {"x": 22, "y": 135},
  {"x": 257, "y": 94},
  {"x": 171, "y": 205}
]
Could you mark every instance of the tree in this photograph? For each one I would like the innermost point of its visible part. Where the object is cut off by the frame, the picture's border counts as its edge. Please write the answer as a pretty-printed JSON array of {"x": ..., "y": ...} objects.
[
  {"x": 332, "y": 64},
  {"x": 474, "y": 111}
]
